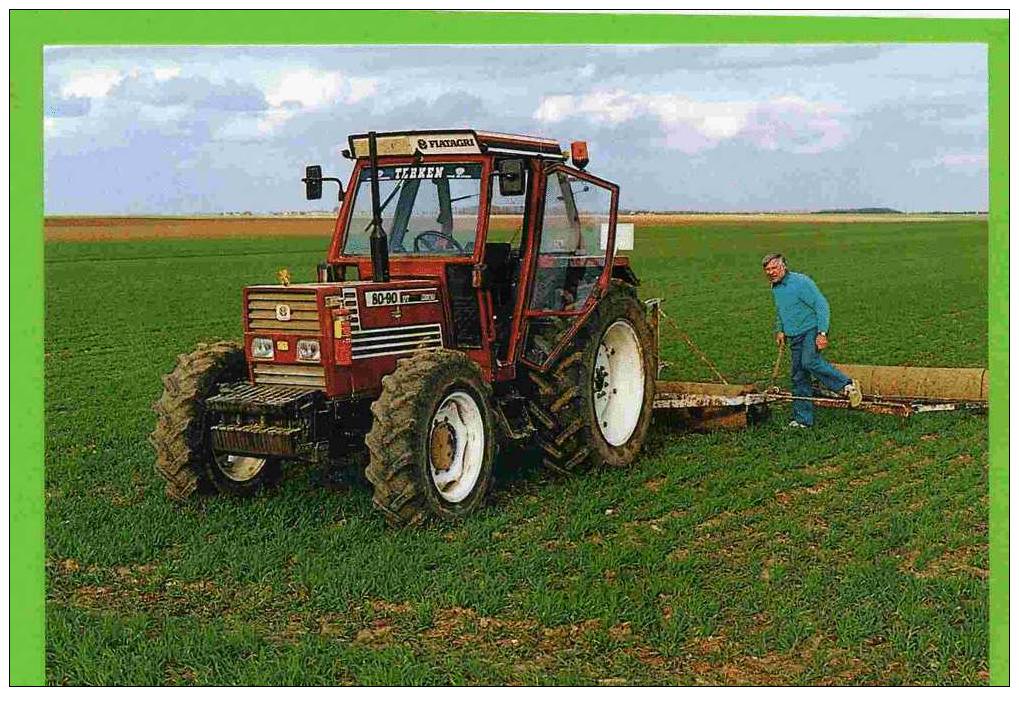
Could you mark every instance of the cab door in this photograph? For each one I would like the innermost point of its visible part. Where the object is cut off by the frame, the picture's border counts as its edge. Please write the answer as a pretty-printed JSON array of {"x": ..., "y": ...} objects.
[{"x": 571, "y": 261}]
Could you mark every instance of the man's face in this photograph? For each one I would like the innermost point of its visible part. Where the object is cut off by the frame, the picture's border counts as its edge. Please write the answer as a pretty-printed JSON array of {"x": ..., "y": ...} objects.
[{"x": 774, "y": 270}]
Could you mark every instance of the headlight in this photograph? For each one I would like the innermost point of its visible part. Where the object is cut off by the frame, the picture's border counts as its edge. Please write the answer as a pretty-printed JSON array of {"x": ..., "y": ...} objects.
[
  {"x": 261, "y": 348},
  {"x": 308, "y": 349}
]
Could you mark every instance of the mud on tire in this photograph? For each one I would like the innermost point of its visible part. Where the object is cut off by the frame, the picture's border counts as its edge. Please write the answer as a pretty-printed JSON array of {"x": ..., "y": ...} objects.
[
  {"x": 562, "y": 400},
  {"x": 183, "y": 454},
  {"x": 433, "y": 408}
]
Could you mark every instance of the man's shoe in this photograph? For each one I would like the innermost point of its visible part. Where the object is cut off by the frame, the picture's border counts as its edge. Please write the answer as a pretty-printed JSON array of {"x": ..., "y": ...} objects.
[
  {"x": 852, "y": 391},
  {"x": 798, "y": 425}
]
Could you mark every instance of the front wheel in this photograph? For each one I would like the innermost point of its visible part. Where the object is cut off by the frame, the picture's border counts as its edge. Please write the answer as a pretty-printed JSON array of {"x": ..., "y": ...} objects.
[
  {"x": 242, "y": 475},
  {"x": 432, "y": 442},
  {"x": 184, "y": 456}
]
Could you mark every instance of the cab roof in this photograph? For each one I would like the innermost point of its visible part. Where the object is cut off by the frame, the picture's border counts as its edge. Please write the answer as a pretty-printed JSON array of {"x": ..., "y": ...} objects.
[{"x": 428, "y": 142}]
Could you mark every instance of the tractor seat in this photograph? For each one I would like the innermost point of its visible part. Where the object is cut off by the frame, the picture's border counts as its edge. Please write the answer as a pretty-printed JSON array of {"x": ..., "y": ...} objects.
[{"x": 500, "y": 261}]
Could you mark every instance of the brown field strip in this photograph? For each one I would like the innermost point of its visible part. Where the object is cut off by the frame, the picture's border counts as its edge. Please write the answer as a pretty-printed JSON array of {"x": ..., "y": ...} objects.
[{"x": 99, "y": 228}]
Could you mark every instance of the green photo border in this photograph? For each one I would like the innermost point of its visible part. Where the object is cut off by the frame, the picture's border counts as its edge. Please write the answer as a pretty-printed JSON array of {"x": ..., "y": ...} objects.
[{"x": 31, "y": 30}]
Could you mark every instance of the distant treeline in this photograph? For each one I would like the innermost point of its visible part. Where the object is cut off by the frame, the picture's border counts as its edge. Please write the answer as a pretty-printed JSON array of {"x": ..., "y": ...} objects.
[
  {"x": 828, "y": 211},
  {"x": 877, "y": 209},
  {"x": 894, "y": 210}
]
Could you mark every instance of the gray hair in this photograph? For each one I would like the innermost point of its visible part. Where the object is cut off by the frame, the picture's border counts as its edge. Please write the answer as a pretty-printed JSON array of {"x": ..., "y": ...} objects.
[{"x": 773, "y": 256}]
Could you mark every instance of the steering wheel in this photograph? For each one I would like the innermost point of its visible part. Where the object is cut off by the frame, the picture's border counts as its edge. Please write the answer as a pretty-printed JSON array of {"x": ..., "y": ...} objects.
[{"x": 418, "y": 241}]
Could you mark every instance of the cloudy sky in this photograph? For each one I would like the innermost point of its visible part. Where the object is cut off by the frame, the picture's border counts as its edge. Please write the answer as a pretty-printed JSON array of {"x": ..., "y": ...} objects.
[{"x": 136, "y": 130}]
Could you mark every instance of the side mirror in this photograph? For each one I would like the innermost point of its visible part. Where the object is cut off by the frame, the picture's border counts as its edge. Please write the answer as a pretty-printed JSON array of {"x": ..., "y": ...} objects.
[
  {"x": 313, "y": 182},
  {"x": 511, "y": 177}
]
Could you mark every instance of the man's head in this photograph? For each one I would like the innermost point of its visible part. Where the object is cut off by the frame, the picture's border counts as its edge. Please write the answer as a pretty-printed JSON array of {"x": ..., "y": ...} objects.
[{"x": 775, "y": 266}]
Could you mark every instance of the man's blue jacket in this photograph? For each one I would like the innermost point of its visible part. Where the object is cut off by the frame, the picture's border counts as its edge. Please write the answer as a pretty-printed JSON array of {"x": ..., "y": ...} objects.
[{"x": 799, "y": 305}]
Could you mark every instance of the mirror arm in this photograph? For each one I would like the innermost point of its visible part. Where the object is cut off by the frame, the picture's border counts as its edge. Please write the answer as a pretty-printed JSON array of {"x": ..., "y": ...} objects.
[{"x": 333, "y": 179}]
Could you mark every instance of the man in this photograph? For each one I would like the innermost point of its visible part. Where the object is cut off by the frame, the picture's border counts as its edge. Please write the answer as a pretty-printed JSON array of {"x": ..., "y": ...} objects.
[{"x": 802, "y": 317}]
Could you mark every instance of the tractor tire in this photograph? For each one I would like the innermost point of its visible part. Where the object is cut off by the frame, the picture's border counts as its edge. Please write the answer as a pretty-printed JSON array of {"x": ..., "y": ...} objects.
[
  {"x": 584, "y": 418},
  {"x": 184, "y": 456},
  {"x": 432, "y": 444}
]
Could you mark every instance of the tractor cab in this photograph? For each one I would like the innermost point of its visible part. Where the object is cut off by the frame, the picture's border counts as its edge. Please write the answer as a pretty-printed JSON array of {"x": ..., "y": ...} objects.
[{"x": 517, "y": 241}]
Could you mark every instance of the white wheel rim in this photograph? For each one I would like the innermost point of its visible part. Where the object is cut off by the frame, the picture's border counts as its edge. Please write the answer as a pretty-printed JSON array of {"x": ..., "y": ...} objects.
[
  {"x": 617, "y": 383},
  {"x": 240, "y": 468},
  {"x": 462, "y": 415}
]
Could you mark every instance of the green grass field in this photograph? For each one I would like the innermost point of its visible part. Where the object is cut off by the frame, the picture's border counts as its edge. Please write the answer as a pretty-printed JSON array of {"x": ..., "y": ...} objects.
[{"x": 853, "y": 553}]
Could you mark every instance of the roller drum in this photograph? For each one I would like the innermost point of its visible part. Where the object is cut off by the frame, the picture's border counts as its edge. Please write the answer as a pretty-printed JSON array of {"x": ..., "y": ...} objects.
[{"x": 954, "y": 384}]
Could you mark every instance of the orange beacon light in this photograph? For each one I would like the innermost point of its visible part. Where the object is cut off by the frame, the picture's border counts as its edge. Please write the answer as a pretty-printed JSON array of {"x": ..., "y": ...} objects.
[{"x": 578, "y": 153}]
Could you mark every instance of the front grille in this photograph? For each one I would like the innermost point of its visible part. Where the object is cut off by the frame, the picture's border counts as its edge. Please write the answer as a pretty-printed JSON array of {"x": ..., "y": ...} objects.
[
  {"x": 262, "y": 312},
  {"x": 297, "y": 375},
  {"x": 400, "y": 340}
]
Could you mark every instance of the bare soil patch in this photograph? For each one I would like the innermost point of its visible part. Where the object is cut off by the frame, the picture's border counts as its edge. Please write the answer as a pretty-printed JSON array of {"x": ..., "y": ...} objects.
[{"x": 111, "y": 228}]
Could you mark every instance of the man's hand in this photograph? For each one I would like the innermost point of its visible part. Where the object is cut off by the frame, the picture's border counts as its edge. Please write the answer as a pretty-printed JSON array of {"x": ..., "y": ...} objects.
[
  {"x": 821, "y": 341},
  {"x": 779, "y": 338}
]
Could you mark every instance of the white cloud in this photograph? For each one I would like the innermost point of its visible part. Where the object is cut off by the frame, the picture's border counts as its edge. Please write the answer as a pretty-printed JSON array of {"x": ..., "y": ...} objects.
[
  {"x": 555, "y": 109},
  {"x": 613, "y": 107},
  {"x": 296, "y": 92},
  {"x": 960, "y": 161},
  {"x": 163, "y": 114},
  {"x": 787, "y": 123},
  {"x": 165, "y": 73},
  {"x": 318, "y": 89},
  {"x": 247, "y": 128},
  {"x": 964, "y": 160},
  {"x": 361, "y": 88},
  {"x": 792, "y": 124},
  {"x": 243, "y": 128},
  {"x": 95, "y": 83}
]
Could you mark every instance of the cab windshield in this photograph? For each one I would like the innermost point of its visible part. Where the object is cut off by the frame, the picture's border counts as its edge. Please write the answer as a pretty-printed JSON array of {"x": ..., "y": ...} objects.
[{"x": 427, "y": 209}]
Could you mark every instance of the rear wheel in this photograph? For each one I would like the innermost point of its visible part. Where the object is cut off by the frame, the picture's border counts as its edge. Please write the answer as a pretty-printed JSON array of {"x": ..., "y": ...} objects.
[
  {"x": 184, "y": 456},
  {"x": 594, "y": 405},
  {"x": 432, "y": 442}
]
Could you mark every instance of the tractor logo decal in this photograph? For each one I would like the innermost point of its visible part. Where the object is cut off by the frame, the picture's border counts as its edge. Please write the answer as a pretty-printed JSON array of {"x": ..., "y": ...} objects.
[
  {"x": 440, "y": 171},
  {"x": 282, "y": 312},
  {"x": 447, "y": 143}
]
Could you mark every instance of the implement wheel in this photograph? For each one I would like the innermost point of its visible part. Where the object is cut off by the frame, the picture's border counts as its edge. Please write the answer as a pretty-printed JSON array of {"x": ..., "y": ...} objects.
[
  {"x": 432, "y": 443},
  {"x": 594, "y": 405},
  {"x": 184, "y": 456}
]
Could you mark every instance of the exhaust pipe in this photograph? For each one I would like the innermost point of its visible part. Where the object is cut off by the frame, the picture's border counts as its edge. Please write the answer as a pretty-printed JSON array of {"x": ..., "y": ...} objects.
[{"x": 379, "y": 241}]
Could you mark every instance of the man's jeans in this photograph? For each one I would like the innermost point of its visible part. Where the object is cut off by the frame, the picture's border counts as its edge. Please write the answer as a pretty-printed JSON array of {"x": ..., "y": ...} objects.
[{"x": 807, "y": 361}]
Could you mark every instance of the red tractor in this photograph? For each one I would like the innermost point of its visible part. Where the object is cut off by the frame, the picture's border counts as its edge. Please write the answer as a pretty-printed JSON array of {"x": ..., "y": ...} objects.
[{"x": 471, "y": 295}]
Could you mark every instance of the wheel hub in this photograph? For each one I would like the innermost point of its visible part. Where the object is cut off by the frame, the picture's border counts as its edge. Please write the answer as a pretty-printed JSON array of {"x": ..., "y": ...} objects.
[
  {"x": 617, "y": 383},
  {"x": 240, "y": 468},
  {"x": 442, "y": 446},
  {"x": 456, "y": 446}
]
